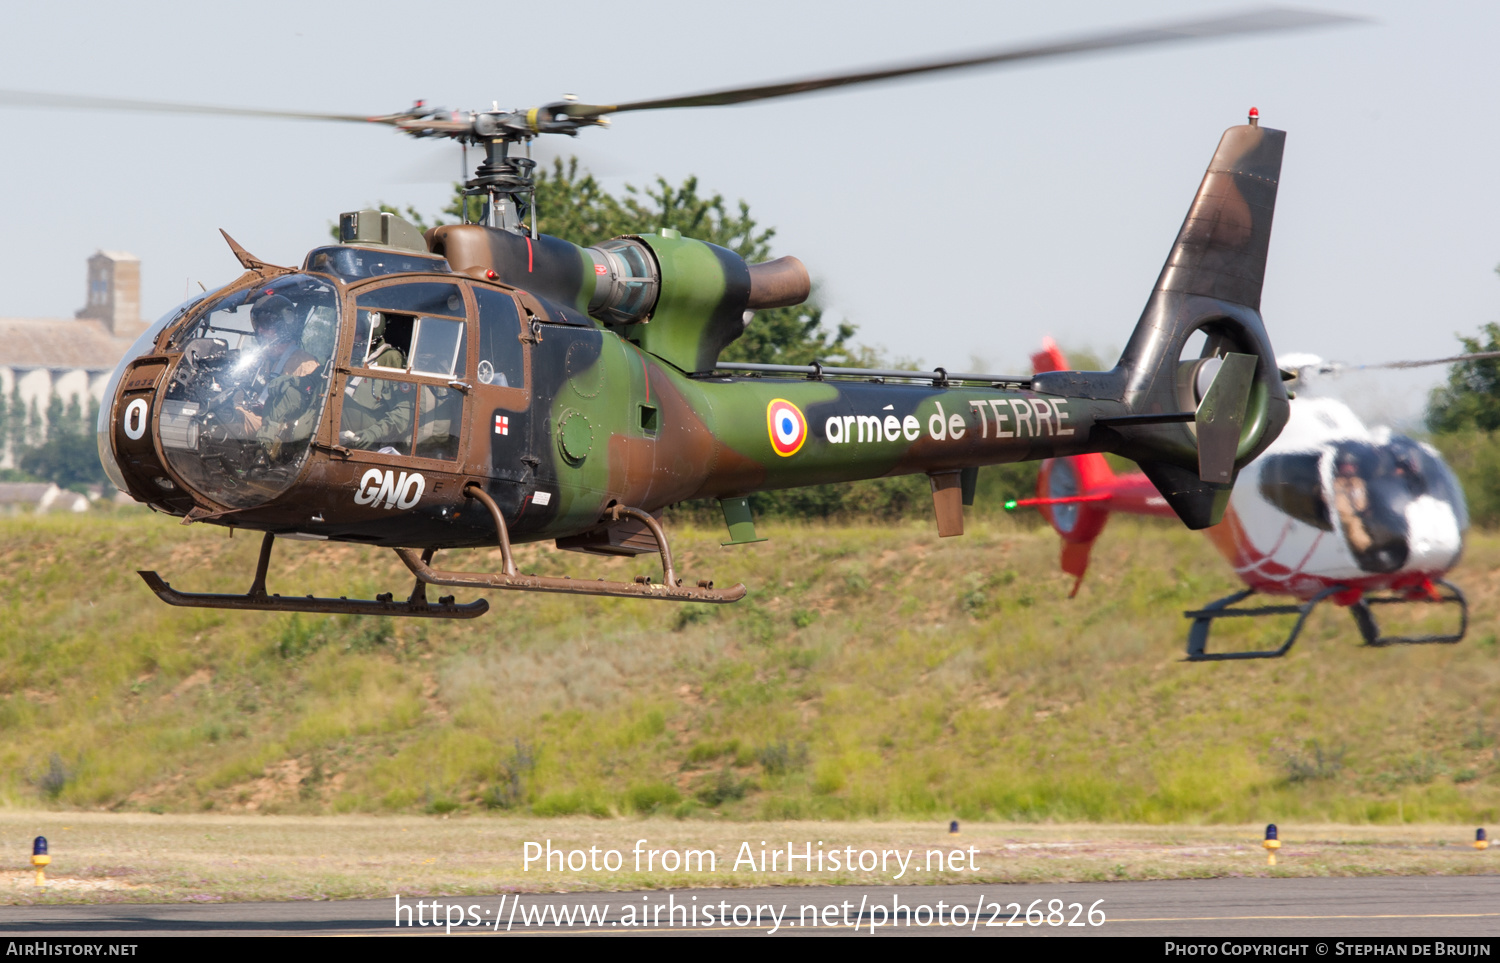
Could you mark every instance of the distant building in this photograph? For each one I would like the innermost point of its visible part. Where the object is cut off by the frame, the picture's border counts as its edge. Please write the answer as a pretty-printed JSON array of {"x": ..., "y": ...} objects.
[
  {"x": 39, "y": 497},
  {"x": 114, "y": 294},
  {"x": 73, "y": 358}
]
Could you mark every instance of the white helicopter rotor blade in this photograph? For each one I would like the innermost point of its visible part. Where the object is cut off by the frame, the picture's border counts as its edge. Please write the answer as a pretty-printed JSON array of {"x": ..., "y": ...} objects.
[
  {"x": 1339, "y": 367},
  {"x": 1477, "y": 356}
]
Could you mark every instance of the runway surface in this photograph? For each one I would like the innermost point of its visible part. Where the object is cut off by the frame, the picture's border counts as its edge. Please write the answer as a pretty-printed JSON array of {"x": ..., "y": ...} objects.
[{"x": 1427, "y": 906}]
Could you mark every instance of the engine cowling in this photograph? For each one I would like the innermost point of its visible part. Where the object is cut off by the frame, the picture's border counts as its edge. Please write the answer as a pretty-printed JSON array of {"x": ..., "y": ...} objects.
[{"x": 681, "y": 299}]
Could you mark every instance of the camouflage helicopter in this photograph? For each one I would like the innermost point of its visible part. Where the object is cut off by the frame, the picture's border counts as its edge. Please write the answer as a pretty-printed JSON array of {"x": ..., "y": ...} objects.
[{"x": 484, "y": 384}]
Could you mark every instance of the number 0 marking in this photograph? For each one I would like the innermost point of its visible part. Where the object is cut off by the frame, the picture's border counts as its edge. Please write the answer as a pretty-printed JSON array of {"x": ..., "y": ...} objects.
[{"x": 135, "y": 419}]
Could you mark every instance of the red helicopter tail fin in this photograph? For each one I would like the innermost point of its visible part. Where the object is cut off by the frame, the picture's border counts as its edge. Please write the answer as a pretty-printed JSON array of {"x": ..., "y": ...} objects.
[
  {"x": 1075, "y": 561},
  {"x": 1072, "y": 492},
  {"x": 1073, "y": 495},
  {"x": 1050, "y": 358},
  {"x": 1076, "y": 495}
]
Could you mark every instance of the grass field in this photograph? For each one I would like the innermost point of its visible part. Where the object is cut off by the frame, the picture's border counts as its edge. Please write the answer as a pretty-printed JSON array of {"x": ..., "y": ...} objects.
[
  {"x": 874, "y": 673},
  {"x": 136, "y": 857}
]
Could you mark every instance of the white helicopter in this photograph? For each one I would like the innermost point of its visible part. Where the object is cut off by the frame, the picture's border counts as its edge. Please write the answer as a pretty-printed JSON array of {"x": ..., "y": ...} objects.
[{"x": 1333, "y": 510}]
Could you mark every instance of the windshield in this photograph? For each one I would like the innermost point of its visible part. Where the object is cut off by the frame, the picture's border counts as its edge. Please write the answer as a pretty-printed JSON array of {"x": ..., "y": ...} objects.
[
  {"x": 1374, "y": 487},
  {"x": 245, "y": 399}
]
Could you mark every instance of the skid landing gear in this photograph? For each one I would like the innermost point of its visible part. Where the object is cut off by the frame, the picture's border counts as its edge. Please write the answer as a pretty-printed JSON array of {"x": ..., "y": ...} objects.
[
  {"x": 669, "y": 589},
  {"x": 415, "y": 606},
  {"x": 1364, "y": 618},
  {"x": 1370, "y": 629}
]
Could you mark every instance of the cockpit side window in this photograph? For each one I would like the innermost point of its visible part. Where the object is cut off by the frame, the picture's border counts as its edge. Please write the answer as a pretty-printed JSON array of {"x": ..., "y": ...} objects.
[
  {"x": 438, "y": 348},
  {"x": 1407, "y": 464},
  {"x": 500, "y": 356},
  {"x": 1294, "y": 484},
  {"x": 409, "y": 333}
]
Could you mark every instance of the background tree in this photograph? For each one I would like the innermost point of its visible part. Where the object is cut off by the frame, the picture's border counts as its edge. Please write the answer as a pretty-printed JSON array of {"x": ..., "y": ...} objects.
[
  {"x": 62, "y": 448},
  {"x": 1464, "y": 417},
  {"x": 70, "y": 454},
  {"x": 1471, "y": 398}
]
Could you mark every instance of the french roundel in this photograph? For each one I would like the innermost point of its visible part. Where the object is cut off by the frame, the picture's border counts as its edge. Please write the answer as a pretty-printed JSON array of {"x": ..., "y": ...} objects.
[{"x": 788, "y": 427}]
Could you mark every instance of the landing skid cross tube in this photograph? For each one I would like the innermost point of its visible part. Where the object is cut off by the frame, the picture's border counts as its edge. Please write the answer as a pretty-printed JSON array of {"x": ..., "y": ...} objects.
[
  {"x": 670, "y": 589},
  {"x": 416, "y": 606},
  {"x": 1203, "y": 620},
  {"x": 1370, "y": 629},
  {"x": 1364, "y": 618}
]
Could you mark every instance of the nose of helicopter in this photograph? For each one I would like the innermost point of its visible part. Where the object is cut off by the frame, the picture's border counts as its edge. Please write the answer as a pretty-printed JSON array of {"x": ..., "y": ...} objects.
[
  {"x": 221, "y": 407},
  {"x": 112, "y": 408},
  {"x": 103, "y": 433},
  {"x": 1398, "y": 505},
  {"x": 1436, "y": 537}
]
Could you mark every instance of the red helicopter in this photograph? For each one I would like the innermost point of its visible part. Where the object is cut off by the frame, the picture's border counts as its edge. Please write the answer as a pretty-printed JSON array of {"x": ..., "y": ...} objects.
[{"x": 1332, "y": 511}]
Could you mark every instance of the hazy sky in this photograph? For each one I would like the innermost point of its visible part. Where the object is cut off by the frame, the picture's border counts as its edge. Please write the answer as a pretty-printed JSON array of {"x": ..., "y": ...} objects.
[{"x": 951, "y": 219}]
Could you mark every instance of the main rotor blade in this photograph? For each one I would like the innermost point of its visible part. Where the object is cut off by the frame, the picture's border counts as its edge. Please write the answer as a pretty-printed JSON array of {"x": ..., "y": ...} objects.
[
  {"x": 1255, "y": 21},
  {"x": 26, "y": 98}
]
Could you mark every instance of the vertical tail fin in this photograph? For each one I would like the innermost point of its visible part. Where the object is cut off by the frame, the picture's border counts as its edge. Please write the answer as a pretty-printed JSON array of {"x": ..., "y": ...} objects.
[{"x": 1211, "y": 282}]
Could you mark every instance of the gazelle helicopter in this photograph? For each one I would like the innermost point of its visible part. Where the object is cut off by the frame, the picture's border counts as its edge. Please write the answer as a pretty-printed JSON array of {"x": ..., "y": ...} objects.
[
  {"x": 1332, "y": 510},
  {"x": 485, "y": 384}
]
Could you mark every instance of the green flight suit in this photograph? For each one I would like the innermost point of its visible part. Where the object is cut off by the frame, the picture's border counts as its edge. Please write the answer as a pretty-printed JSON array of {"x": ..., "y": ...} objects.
[{"x": 291, "y": 399}]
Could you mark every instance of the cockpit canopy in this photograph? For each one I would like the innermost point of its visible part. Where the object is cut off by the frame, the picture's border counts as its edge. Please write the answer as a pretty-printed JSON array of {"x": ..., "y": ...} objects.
[
  {"x": 239, "y": 414},
  {"x": 1363, "y": 489}
]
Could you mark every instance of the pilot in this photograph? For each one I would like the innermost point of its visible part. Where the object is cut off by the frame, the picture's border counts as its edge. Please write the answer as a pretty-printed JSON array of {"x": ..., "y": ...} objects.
[
  {"x": 378, "y": 412},
  {"x": 382, "y": 354},
  {"x": 1351, "y": 499},
  {"x": 283, "y": 385}
]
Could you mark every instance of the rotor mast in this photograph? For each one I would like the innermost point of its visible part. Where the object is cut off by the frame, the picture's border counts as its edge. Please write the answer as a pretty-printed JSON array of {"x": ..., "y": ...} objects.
[{"x": 508, "y": 183}]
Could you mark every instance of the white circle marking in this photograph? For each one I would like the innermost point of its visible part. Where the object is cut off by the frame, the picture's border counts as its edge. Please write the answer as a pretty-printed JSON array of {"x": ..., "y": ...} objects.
[{"x": 135, "y": 419}]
